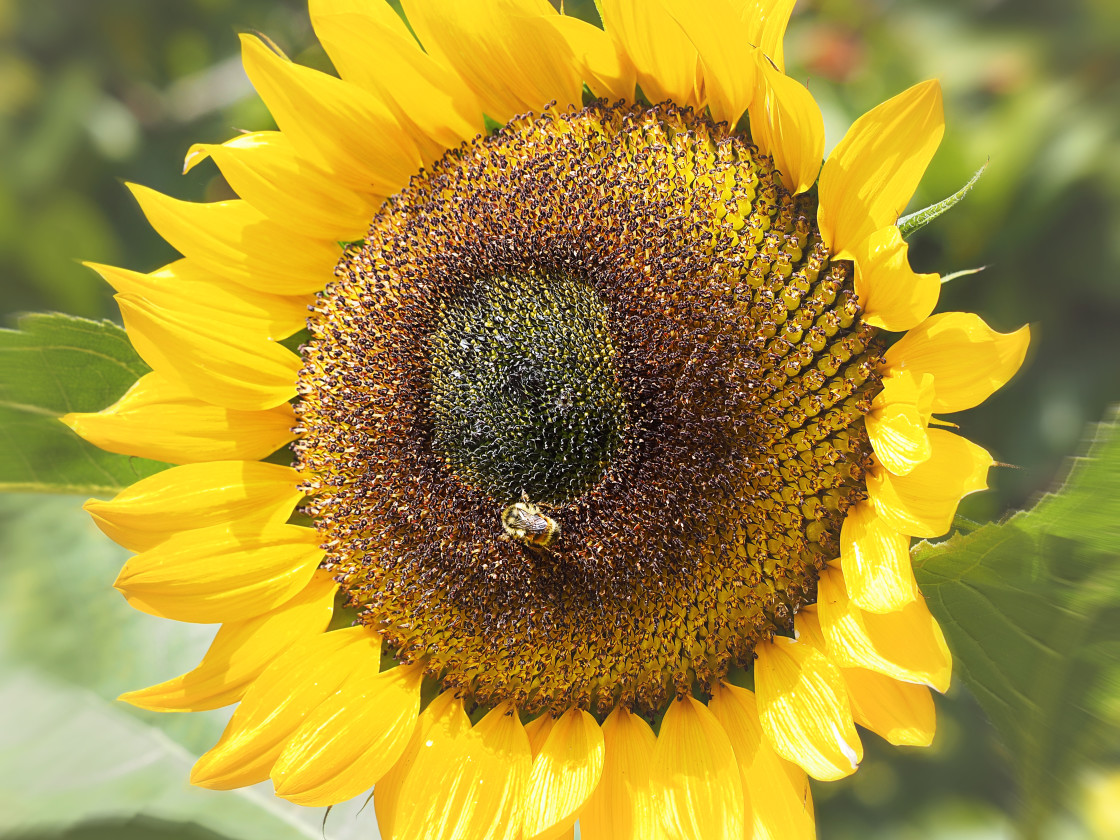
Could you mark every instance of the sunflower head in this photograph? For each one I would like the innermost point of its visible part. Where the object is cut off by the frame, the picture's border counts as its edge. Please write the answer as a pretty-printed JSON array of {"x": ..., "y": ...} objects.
[{"x": 600, "y": 420}]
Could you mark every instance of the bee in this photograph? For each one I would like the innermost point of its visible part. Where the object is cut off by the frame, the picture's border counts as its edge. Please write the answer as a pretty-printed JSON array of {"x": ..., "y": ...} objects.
[{"x": 524, "y": 521}]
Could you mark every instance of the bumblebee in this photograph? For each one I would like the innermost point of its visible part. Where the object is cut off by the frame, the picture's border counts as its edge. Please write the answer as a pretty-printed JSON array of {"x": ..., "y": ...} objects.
[{"x": 524, "y": 521}]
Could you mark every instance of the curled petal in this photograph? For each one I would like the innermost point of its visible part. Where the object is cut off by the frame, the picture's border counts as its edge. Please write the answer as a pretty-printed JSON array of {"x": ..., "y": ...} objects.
[
  {"x": 922, "y": 503},
  {"x": 766, "y": 22},
  {"x": 160, "y": 418},
  {"x": 893, "y": 296},
  {"x": 900, "y": 712},
  {"x": 873, "y": 171},
  {"x": 905, "y": 645},
  {"x": 969, "y": 360},
  {"x": 875, "y": 559},
  {"x": 897, "y": 422},
  {"x": 695, "y": 776},
  {"x": 787, "y": 124},
  {"x": 803, "y": 704}
]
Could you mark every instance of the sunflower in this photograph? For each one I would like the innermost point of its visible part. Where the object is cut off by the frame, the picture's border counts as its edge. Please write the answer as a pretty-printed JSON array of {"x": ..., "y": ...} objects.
[{"x": 606, "y": 462}]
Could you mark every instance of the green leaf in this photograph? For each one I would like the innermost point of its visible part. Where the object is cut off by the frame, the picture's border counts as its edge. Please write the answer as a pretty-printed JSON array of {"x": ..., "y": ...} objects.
[
  {"x": 54, "y": 364},
  {"x": 1031, "y": 609},
  {"x": 918, "y": 220}
]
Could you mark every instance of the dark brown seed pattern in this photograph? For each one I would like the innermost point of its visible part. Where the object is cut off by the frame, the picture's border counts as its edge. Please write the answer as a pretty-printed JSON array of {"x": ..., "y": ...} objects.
[{"x": 727, "y": 346}]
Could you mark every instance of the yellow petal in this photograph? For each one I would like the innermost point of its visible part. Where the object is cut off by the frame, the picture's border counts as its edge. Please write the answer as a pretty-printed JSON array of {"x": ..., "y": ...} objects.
[
  {"x": 766, "y": 22},
  {"x": 608, "y": 71},
  {"x": 906, "y": 645},
  {"x": 922, "y": 503},
  {"x": 892, "y": 295},
  {"x": 622, "y": 806},
  {"x": 426, "y": 97},
  {"x": 336, "y": 125},
  {"x": 221, "y": 573},
  {"x": 872, "y": 173},
  {"x": 235, "y": 240},
  {"x": 781, "y": 804},
  {"x": 665, "y": 60},
  {"x": 506, "y": 51},
  {"x": 220, "y": 365},
  {"x": 803, "y": 705},
  {"x": 902, "y": 713},
  {"x": 694, "y": 776},
  {"x": 897, "y": 422},
  {"x": 241, "y": 651},
  {"x": 450, "y": 783},
  {"x": 565, "y": 772},
  {"x": 787, "y": 124},
  {"x": 351, "y": 739},
  {"x": 156, "y": 508},
  {"x": 537, "y": 731},
  {"x": 278, "y": 702},
  {"x": 160, "y": 418},
  {"x": 968, "y": 359},
  {"x": 184, "y": 286},
  {"x": 875, "y": 559},
  {"x": 264, "y": 169},
  {"x": 727, "y": 64}
]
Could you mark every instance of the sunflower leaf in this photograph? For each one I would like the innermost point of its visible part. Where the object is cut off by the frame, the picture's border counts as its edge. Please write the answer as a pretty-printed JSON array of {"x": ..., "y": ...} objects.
[
  {"x": 1031, "y": 609},
  {"x": 51, "y": 365},
  {"x": 920, "y": 218}
]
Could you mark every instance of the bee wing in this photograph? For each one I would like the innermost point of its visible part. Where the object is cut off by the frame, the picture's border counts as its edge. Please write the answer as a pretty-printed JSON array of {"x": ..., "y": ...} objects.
[{"x": 532, "y": 523}]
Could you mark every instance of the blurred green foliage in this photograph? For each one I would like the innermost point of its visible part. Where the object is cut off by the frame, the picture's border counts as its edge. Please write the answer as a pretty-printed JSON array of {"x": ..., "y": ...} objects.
[{"x": 93, "y": 92}]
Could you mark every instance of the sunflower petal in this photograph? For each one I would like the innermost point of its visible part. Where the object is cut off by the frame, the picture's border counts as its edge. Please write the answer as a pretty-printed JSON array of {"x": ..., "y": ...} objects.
[
  {"x": 695, "y": 777},
  {"x": 728, "y": 65},
  {"x": 159, "y": 418},
  {"x": 922, "y": 503},
  {"x": 906, "y": 645},
  {"x": 803, "y": 704},
  {"x": 565, "y": 773},
  {"x": 155, "y": 508},
  {"x": 872, "y": 173},
  {"x": 893, "y": 296},
  {"x": 608, "y": 71},
  {"x": 241, "y": 651},
  {"x": 506, "y": 51},
  {"x": 221, "y": 573},
  {"x": 264, "y": 169},
  {"x": 336, "y": 125},
  {"x": 898, "y": 419},
  {"x": 278, "y": 702},
  {"x": 186, "y": 287},
  {"x": 968, "y": 359},
  {"x": 766, "y": 22},
  {"x": 665, "y": 60},
  {"x": 781, "y": 804},
  {"x": 787, "y": 124},
  {"x": 233, "y": 239},
  {"x": 220, "y": 365},
  {"x": 351, "y": 739},
  {"x": 902, "y": 713},
  {"x": 427, "y": 97},
  {"x": 622, "y": 807},
  {"x": 875, "y": 560}
]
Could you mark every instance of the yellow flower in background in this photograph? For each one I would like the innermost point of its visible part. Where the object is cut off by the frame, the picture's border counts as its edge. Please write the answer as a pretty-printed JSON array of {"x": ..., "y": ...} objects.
[{"x": 638, "y": 322}]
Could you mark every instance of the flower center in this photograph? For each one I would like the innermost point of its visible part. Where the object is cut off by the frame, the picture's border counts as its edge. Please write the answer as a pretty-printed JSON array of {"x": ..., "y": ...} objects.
[
  {"x": 620, "y": 313},
  {"x": 524, "y": 395}
]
